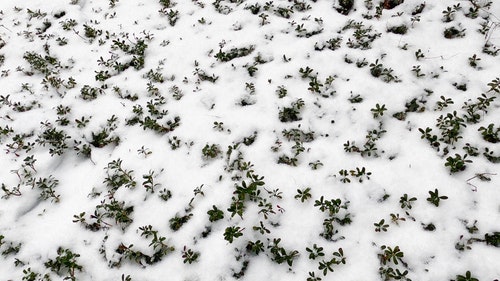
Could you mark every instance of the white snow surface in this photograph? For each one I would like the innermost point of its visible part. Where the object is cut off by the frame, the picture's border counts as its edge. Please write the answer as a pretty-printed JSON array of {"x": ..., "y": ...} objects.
[{"x": 248, "y": 105}]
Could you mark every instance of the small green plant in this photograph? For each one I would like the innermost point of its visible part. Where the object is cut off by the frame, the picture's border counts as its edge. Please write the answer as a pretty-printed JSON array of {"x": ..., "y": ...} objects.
[
  {"x": 490, "y": 133},
  {"x": 218, "y": 126},
  {"x": 56, "y": 139},
  {"x": 378, "y": 70},
  {"x": 450, "y": 127},
  {"x": 117, "y": 176},
  {"x": 381, "y": 226},
  {"x": 160, "y": 247},
  {"x": 391, "y": 255},
  {"x": 211, "y": 151},
  {"x": 165, "y": 194},
  {"x": 292, "y": 113},
  {"x": 418, "y": 71},
  {"x": 68, "y": 24},
  {"x": 281, "y": 91},
  {"x": 378, "y": 110},
  {"x": 149, "y": 184},
  {"x": 234, "y": 53},
  {"x": 232, "y": 233},
  {"x": 30, "y": 275},
  {"x": 315, "y": 252},
  {"x": 457, "y": 163},
  {"x": 327, "y": 265},
  {"x": 280, "y": 254},
  {"x": 215, "y": 214},
  {"x": 454, "y": 32},
  {"x": 47, "y": 185},
  {"x": 473, "y": 61},
  {"x": 65, "y": 263},
  {"x": 434, "y": 197},
  {"x": 262, "y": 229},
  {"x": 11, "y": 248},
  {"x": 406, "y": 202},
  {"x": 398, "y": 29},
  {"x": 256, "y": 247},
  {"x": 46, "y": 65},
  {"x": 443, "y": 103},
  {"x": 492, "y": 239},
  {"x": 395, "y": 218},
  {"x": 189, "y": 255},
  {"x": 467, "y": 277},
  {"x": 303, "y": 194},
  {"x": 431, "y": 138},
  {"x": 315, "y": 165},
  {"x": 362, "y": 36},
  {"x": 91, "y": 32},
  {"x": 449, "y": 13},
  {"x": 178, "y": 221},
  {"x": 117, "y": 210},
  {"x": 355, "y": 98},
  {"x": 419, "y": 54}
]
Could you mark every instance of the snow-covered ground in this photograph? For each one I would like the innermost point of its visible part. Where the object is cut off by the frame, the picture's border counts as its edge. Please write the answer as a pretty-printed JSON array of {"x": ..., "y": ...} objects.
[{"x": 249, "y": 139}]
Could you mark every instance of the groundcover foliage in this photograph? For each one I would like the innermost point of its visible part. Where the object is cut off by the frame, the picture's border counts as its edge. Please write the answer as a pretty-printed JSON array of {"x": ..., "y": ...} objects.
[{"x": 249, "y": 139}]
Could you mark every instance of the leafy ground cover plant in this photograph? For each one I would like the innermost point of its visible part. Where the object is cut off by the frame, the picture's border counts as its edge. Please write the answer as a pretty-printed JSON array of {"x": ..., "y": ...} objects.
[
  {"x": 65, "y": 264},
  {"x": 88, "y": 114}
]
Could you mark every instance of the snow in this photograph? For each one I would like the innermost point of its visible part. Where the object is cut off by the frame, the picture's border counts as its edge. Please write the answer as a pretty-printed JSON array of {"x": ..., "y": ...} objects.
[{"x": 404, "y": 163}]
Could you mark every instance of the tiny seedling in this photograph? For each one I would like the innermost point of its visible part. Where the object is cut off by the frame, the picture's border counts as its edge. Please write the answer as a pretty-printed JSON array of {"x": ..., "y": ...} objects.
[
  {"x": 189, "y": 255},
  {"x": 381, "y": 226},
  {"x": 303, "y": 194},
  {"x": 211, "y": 151},
  {"x": 457, "y": 163},
  {"x": 256, "y": 247},
  {"x": 406, "y": 202},
  {"x": 65, "y": 264},
  {"x": 215, "y": 214},
  {"x": 315, "y": 252},
  {"x": 378, "y": 110},
  {"x": 232, "y": 233},
  {"x": 178, "y": 221},
  {"x": 434, "y": 197},
  {"x": 467, "y": 277}
]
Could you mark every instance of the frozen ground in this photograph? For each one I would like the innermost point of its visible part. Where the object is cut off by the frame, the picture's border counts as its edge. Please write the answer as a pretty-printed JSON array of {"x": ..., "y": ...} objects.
[{"x": 253, "y": 140}]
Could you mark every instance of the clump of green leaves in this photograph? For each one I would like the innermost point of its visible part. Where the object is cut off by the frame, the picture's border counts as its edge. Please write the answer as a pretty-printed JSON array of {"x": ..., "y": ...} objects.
[
  {"x": 457, "y": 163},
  {"x": 178, "y": 221},
  {"x": 225, "y": 56},
  {"x": 117, "y": 176},
  {"x": 280, "y": 254},
  {"x": 160, "y": 247},
  {"x": 378, "y": 70},
  {"x": 327, "y": 265},
  {"x": 65, "y": 264},
  {"x": 362, "y": 37},
  {"x": 215, "y": 214},
  {"x": 54, "y": 138},
  {"x": 8, "y": 247},
  {"x": 211, "y": 151},
  {"x": 406, "y": 201},
  {"x": 490, "y": 133},
  {"x": 336, "y": 212},
  {"x": 381, "y": 226},
  {"x": 454, "y": 32},
  {"x": 46, "y": 65},
  {"x": 189, "y": 255},
  {"x": 467, "y": 277},
  {"x": 232, "y": 232},
  {"x": 292, "y": 113},
  {"x": 303, "y": 194},
  {"x": 434, "y": 197},
  {"x": 390, "y": 258}
]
